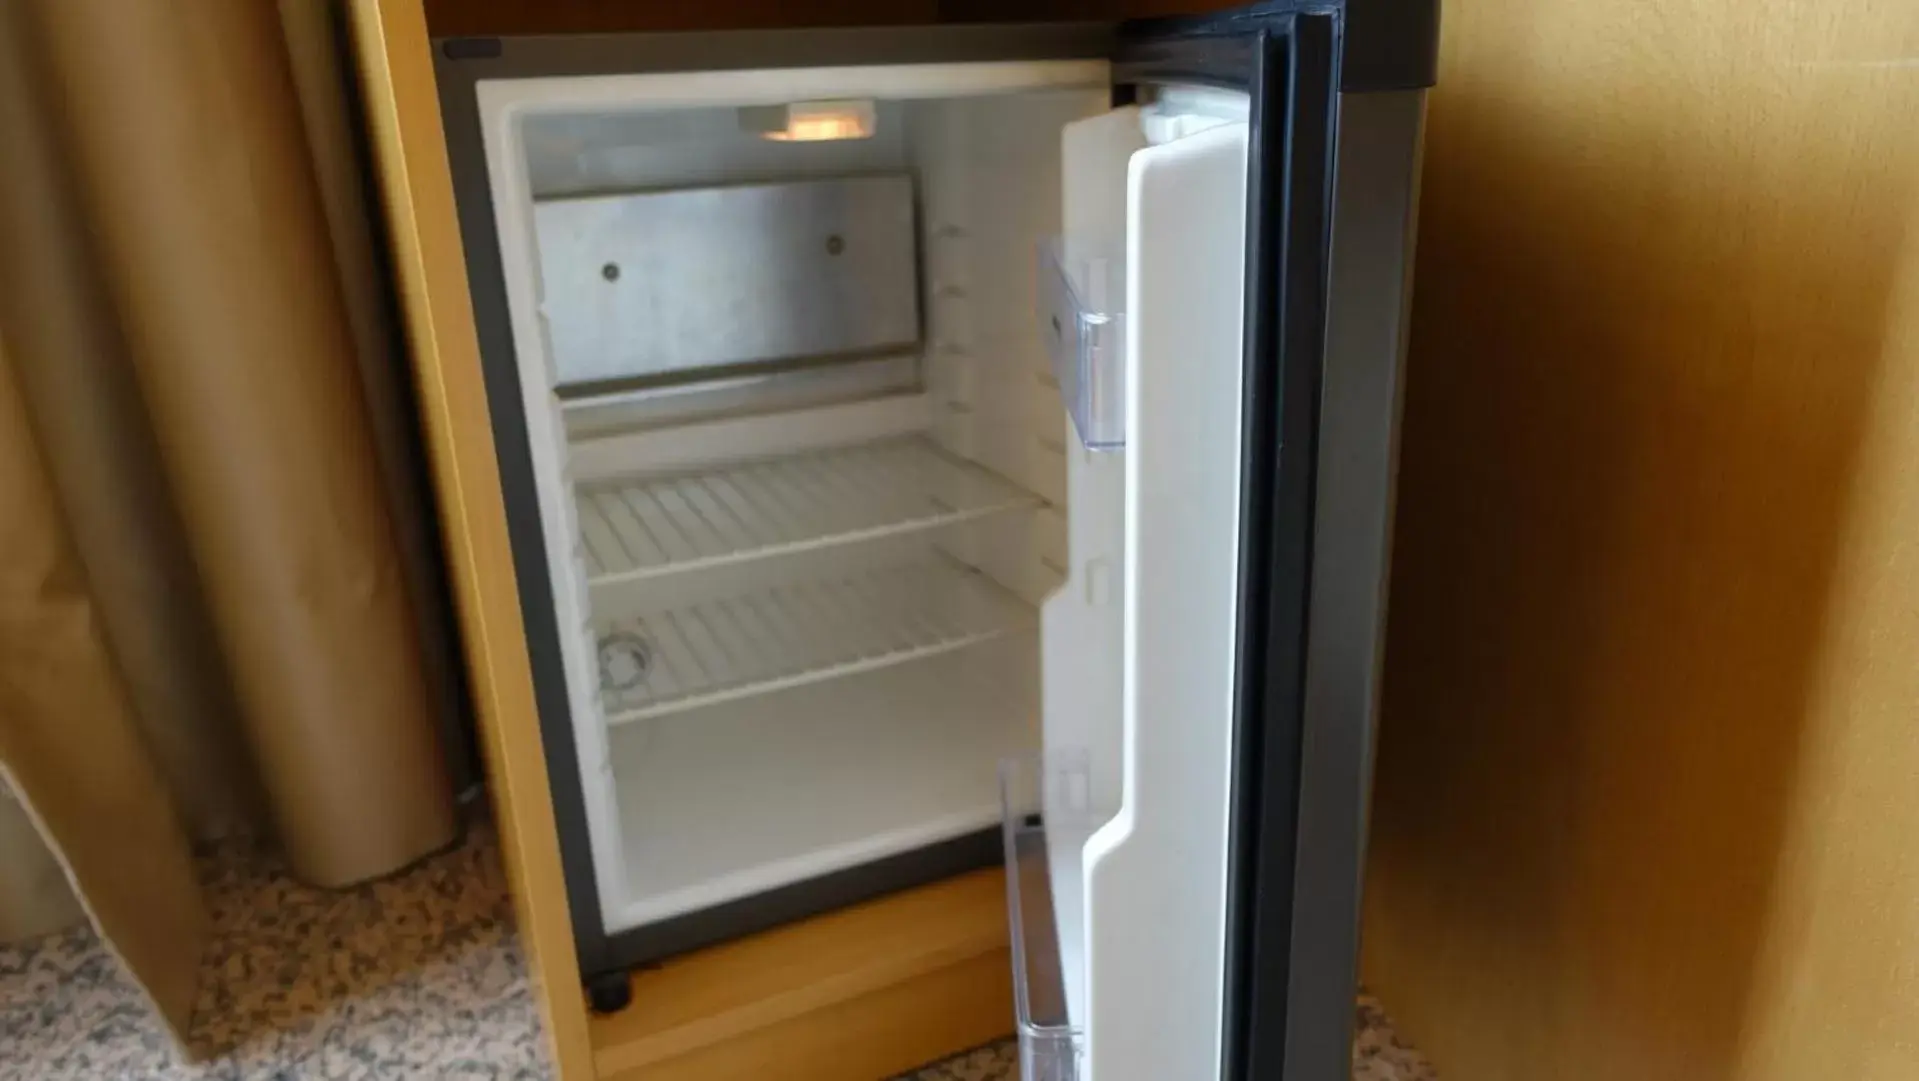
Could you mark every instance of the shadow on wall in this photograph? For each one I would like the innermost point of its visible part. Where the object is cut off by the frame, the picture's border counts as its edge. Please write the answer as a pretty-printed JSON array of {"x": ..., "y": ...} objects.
[{"x": 1646, "y": 334}]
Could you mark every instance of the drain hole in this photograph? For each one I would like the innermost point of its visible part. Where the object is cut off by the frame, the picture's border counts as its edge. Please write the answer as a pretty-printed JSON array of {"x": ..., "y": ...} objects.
[{"x": 625, "y": 660}]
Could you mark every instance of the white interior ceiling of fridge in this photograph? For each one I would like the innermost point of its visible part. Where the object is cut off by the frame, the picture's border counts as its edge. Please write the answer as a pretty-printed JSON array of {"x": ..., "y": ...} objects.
[{"x": 797, "y": 568}]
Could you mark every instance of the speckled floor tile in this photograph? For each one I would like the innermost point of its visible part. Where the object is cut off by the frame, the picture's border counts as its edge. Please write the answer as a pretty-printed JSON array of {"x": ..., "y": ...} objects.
[
  {"x": 1378, "y": 1052},
  {"x": 1378, "y": 1055},
  {"x": 997, "y": 1062},
  {"x": 418, "y": 976}
]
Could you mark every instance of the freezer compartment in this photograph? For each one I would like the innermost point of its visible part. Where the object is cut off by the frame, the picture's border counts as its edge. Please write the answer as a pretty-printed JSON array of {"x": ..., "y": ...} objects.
[
  {"x": 1049, "y": 812},
  {"x": 742, "y": 797}
]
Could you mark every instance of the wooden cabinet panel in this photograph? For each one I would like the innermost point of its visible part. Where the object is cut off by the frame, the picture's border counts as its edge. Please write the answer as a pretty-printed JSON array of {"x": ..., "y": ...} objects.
[
  {"x": 867, "y": 991},
  {"x": 416, "y": 184},
  {"x": 507, "y": 17},
  {"x": 1644, "y": 798}
]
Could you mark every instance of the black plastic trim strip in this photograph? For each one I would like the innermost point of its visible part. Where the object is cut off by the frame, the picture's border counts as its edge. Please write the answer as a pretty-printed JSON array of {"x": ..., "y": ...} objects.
[
  {"x": 1389, "y": 45},
  {"x": 499, "y": 372},
  {"x": 1381, "y": 44},
  {"x": 1229, "y": 61},
  {"x": 539, "y": 56},
  {"x": 722, "y": 922},
  {"x": 1296, "y": 148}
]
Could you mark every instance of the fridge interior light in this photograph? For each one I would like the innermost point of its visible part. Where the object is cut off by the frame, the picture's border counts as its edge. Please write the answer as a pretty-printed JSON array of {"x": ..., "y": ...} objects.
[{"x": 811, "y": 121}]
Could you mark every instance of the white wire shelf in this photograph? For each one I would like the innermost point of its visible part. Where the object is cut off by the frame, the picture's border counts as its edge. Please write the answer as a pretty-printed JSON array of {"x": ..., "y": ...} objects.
[
  {"x": 660, "y": 525},
  {"x": 794, "y": 634}
]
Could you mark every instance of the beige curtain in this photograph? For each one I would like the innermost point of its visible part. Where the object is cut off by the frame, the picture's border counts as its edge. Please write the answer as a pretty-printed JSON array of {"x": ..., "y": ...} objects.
[{"x": 219, "y": 605}]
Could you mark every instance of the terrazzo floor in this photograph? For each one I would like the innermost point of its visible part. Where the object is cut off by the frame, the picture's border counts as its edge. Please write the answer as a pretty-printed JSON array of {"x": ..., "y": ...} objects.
[{"x": 418, "y": 976}]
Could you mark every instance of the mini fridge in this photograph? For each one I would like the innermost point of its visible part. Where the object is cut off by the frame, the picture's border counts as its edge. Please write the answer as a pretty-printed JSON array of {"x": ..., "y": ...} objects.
[{"x": 925, "y": 448}]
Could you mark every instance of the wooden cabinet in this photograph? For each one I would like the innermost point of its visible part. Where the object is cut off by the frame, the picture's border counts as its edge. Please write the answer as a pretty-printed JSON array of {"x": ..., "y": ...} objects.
[
  {"x": 865, "y": 992},
  {"x": 838, "y": 867}
]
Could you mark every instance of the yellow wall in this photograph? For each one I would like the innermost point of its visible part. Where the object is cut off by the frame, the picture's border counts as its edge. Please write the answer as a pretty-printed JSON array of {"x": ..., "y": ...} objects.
[{"x": 1648, "y": 790}]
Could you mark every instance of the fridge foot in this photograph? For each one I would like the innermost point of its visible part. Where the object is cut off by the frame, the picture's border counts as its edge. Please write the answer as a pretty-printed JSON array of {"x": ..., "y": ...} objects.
[{"x": 609, "y": 992}]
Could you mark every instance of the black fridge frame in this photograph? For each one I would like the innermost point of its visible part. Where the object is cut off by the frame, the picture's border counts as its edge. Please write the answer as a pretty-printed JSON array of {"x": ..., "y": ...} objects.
[{"x": 1293, "y": 60}]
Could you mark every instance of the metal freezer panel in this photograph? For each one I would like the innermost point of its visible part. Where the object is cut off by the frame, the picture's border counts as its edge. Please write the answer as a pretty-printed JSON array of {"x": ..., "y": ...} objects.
[{"x": 647, "y": 286}]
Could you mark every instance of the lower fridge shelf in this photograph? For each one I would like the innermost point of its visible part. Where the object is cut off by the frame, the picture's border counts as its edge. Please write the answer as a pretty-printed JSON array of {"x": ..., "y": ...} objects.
[
  {"x": 775, "y": 638},
  {"x": 737, "y": 799}
]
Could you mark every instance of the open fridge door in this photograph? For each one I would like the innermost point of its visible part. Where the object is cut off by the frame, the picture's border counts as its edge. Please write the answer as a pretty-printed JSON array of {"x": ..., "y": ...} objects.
[{"x": 1118, "y": 835}]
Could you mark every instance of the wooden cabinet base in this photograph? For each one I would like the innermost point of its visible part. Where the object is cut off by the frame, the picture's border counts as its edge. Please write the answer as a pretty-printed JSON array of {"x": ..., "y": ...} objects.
[
  {"x": 868, "y": 1038},
  {"x": 855, "y": 995}
]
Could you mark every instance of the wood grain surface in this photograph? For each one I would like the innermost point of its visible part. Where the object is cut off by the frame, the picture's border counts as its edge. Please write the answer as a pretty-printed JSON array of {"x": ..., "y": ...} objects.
[
  {"x": 1645, "y": 792},
  {"x": 506, "y": 17},
  {"x": 865, "y": 992},
  {"x": 417, "y": 190}
]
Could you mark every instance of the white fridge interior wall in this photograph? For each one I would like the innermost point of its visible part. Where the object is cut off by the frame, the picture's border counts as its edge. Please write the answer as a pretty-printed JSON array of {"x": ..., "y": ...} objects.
[
  {"x": 573, "y": 154},
  {"x": 901, "y": 644},
  {"x": 989, "y": 173}
]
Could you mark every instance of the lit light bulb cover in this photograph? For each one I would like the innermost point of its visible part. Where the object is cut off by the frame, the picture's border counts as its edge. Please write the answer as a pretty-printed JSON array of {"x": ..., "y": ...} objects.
[{"x": 811, "y": 121}]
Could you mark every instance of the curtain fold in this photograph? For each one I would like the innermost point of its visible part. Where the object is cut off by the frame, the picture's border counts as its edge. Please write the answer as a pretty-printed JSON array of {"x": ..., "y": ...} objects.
[
  {"x": 186, "y": 135},
  {"x": 319, "y": 49},
  {"x": 74, "y": 375},
  {"x": 220, "y": 602},
  {"x": 34, "y": 897},
  {"x": 70, "y": 750}
]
